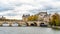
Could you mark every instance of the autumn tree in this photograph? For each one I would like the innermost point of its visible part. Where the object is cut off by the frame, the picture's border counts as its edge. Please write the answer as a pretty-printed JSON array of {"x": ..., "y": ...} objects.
[
  {"x": 55, "y": 19},
  {"x": 33, "y": 18}
]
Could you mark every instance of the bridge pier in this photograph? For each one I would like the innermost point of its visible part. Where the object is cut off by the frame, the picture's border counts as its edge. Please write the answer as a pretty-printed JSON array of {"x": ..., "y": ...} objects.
[
  {"x": 27, "y": 24},
  {"x": 0, "y": 24},
  {"x": 10, "y": 25},
  {"x": 19, "y": 25},
  {"x": 35, "y": 24}
]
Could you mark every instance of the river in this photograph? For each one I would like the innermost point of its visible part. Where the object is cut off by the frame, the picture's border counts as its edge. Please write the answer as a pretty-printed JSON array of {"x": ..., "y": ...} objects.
[{"x": 28, "y": 30}]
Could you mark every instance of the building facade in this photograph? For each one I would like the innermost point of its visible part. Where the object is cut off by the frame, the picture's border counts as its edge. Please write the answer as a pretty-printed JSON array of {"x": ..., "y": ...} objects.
[{"x": 25, "y": 17}]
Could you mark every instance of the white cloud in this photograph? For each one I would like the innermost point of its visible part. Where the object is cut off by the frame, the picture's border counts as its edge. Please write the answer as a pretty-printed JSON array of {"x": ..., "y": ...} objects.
[{"x": 21, "y": 7}]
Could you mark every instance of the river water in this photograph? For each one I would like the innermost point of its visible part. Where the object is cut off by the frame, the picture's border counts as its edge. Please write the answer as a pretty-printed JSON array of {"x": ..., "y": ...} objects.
[{"x": 28, "y": 30}]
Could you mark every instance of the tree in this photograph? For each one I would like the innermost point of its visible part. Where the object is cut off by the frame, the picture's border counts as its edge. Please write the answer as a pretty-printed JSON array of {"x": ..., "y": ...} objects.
[
  {"x": 33, "y": 18},
  {"x": 55, "y": 20}
]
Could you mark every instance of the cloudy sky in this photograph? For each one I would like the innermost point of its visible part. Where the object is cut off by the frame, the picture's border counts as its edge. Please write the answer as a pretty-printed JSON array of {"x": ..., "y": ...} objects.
[{"x": 14, "y": 9}]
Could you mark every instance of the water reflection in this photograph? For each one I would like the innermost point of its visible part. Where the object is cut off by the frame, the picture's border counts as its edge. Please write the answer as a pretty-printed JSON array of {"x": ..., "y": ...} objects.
[
  {"x": 28, "y": 30},
  {"x": 2, "y": 32}
]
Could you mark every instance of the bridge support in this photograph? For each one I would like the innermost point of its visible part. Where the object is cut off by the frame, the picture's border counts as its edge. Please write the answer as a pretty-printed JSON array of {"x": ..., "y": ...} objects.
[
  {"x": 27, "y": 24},
  {"x": 10, "y": 25},
  {"x": 0, "y": 24},
  {"x": 19, "y": 25},
  {"x": 35, "y": 24}
]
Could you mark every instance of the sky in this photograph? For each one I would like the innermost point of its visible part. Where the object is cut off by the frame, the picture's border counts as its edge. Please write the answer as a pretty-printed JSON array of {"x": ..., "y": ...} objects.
[{"x": 14, "y": 9}]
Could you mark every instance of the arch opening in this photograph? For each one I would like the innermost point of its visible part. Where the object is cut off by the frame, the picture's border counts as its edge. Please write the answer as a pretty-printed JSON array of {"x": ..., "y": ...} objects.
[
  {"x": 32, "y": 24},
  {"x": 15, "y": 24},
  {"x": 5, "y": 24},
  {"x": 43, "y": 25},
  {"x": 35, "y": 24}
]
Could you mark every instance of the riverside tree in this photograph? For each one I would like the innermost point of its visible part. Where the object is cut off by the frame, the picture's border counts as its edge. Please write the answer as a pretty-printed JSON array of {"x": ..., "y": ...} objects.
[
  {"x": 33, "y": 18},
  {"x": 55, "y": 20}
]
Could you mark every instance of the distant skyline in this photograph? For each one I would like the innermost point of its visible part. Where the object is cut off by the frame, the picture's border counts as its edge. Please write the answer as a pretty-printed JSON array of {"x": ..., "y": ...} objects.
[{"x": 14, "y": 9}]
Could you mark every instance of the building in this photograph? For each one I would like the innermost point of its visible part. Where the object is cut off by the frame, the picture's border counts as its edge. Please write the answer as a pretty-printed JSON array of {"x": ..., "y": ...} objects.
[
  {"x": 24, "y": 17},
  {"x": 42, "y": 15},
  {"x": 2, "y": 17}
]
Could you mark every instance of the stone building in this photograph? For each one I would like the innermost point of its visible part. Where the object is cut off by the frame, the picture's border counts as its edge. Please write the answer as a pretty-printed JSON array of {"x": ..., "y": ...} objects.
[
  {"x": 41, "y": 15},
  {"x": 2, "y": 17},
  {"x": 44, "y": 17},
  {"x": 24, "y": 17}
]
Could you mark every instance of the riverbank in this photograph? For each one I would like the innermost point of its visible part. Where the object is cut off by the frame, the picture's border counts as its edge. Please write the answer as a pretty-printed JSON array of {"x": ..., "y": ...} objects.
[{"x": 55, "y": 27}]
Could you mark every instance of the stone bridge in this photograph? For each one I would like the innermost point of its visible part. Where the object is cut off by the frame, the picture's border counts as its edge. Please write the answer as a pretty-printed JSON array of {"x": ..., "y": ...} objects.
[{"x": 20, "y": 22}]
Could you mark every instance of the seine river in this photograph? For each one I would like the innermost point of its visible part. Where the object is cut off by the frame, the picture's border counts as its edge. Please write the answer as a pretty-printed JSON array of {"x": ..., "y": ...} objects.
[{"x": 28, "y": 30}]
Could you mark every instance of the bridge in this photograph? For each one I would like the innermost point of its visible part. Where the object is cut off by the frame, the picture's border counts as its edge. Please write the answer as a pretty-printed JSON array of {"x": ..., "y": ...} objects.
[{"x": 20, "y": 22}]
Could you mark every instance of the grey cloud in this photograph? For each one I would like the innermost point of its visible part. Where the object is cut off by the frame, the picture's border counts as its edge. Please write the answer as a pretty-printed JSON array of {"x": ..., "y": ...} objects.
[
  {"x": 16, "y": 4},
  {"x": 56, "y": 0},
  {"x": 4, "y": 7},
  {"x": 34, "y": 11},
  {"x": 9, "y": 14}
]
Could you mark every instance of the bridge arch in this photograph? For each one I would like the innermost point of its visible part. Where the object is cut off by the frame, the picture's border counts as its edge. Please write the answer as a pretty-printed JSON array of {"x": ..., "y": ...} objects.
[
  {"x": 15, "y": 24},
  {"x": 33, "y": 24},
  {"x": 5, "y": 24},
  {"x": 26, "y": 23}
]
